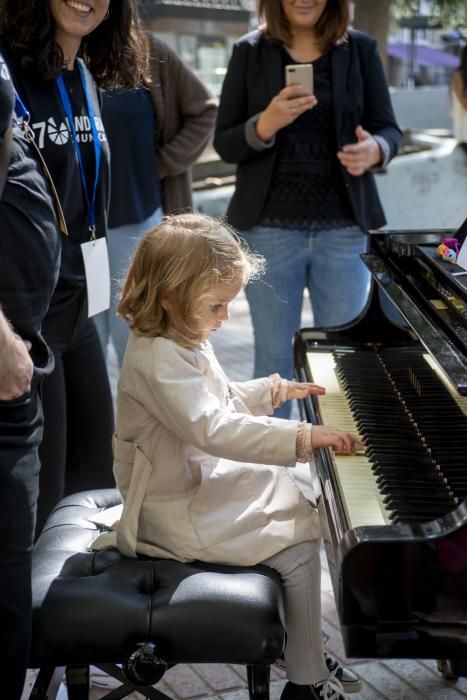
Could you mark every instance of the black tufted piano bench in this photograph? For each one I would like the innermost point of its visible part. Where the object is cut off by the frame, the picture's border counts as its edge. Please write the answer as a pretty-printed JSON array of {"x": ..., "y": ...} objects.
[{"x": 135, "y": 618}]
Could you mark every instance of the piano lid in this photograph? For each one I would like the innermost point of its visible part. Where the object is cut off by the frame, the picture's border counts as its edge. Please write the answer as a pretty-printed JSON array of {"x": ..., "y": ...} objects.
[{"x": 427, "y": 292}]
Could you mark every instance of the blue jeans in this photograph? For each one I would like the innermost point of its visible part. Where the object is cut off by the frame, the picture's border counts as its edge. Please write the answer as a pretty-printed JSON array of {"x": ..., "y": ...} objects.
[
  {"x": 121, "y": 242},
  {"x": 328, "y": 264}
]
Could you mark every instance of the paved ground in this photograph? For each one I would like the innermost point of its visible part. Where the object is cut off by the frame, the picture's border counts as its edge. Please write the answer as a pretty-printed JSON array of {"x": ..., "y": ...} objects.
[{"x": 391, "y": 679}]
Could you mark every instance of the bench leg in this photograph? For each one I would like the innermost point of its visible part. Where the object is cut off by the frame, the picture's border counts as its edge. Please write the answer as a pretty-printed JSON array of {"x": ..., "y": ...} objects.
[
  {"x": 258, "y": 682},
  {"x": 77, "y": 682}
]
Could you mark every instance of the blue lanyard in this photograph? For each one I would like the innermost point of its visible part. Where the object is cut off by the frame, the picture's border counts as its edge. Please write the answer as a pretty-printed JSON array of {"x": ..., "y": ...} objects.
[
  {"x": 20, "y": 110},
  {"x": 91, "y": 203}
]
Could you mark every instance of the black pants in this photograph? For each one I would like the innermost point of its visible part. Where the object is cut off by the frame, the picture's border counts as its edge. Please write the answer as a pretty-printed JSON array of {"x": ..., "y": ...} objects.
[
  {"x": 20, "y": 436},
  {"x": 76, "y": 450}
]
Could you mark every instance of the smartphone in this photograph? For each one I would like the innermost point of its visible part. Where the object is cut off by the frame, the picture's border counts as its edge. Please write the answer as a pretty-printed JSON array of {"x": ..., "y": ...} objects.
[{"x": 300, "y": 74}]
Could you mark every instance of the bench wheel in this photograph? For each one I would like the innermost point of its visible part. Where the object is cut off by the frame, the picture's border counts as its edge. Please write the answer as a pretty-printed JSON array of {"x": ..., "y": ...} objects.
[{"x": 144, "y": 665}]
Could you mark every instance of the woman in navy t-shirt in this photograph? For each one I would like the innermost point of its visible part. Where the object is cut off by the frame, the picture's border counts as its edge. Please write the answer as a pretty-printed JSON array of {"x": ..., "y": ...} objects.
[{"x": 59, "y": 53}]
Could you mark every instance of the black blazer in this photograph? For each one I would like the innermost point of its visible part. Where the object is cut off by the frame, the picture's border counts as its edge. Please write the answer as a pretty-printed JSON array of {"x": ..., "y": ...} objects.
[{"x": 360, "y": 96}]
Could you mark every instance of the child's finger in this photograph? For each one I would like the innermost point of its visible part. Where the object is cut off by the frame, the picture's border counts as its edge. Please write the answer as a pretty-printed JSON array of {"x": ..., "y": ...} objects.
[
  {"x": 353, "y": 446},
  {"x": 359, "y": 445},
  {"x": 305, "y": 389},
  {"x": 316, "y": 389}
]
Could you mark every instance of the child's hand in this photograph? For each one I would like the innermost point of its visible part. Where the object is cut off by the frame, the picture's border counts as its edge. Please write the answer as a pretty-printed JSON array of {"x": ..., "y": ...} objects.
[
  {"x": 298, "y": 390},
  {"x": 327, "y": 436}
]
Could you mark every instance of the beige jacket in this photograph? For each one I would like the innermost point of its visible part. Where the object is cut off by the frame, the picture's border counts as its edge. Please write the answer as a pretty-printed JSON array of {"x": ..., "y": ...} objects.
[
  {"x": 200, "y": 468},
  {"x": 186, "y": 113}
]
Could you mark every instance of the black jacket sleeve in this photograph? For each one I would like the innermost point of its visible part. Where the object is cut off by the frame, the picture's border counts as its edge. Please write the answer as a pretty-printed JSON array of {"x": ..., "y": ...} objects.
[
  {"x": 230, "y": 136},
  {"x": 378, "y": 115}
]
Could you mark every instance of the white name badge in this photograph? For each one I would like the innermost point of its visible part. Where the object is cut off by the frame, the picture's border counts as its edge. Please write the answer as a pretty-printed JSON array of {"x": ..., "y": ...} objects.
[{"x": 96, "y": 268}]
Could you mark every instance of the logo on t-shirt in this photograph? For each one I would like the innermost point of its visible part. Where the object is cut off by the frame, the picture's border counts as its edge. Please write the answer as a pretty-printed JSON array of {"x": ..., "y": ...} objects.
[
  {"x": 60, "y": 134},
  {"x": 4, "y": 72}
]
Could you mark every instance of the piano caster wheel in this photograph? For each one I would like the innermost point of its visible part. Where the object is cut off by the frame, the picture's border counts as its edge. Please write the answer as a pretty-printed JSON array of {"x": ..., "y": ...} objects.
[{"x": 446, "y": 670}]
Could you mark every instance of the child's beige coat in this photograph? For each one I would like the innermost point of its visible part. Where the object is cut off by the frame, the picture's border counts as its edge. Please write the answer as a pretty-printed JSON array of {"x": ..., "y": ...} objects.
[{"x": 194, "y": 461}]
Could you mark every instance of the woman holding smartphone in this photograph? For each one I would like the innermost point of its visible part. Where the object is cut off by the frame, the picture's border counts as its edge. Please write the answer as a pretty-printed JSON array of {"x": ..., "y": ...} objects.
[{"x": 305, "y": 196}]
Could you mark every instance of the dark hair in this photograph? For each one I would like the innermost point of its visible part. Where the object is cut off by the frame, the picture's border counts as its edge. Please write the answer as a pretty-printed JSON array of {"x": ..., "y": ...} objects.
[
  {"x": 330, "y": 28},
  {"x": 116, "y": 52}
]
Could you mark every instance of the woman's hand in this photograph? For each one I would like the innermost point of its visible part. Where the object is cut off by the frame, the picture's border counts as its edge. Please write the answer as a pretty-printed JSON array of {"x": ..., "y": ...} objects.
[
  {"x": 298, "y": 390},
  {"x": 359, "y": 157},
  {"x": 283, "y": 109},
  {"x": 327, "y": 436}
]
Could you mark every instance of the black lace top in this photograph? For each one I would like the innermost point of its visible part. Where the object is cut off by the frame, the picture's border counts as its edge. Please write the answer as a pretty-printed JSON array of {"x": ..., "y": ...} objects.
[{"x": 307, "y": 189}]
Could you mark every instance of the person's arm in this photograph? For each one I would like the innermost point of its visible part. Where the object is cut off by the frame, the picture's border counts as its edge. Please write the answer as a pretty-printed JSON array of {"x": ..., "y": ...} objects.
[
  {"x": 270, "y": 392},
  {"x": 198, "y": 109},
  {"x": 255, "y": 394},
  {"x": 378, "y": 114},
  {"x": 173, "y": 386},
  {"x": 241, "y": 135},
  {"x": 378, "y": 135},
  {"x": 16, "y": 366},
  {"x": 262, "y": 396},
  {"x": 7, "y": 102},
  {"x": 5, "y": 155},
  {"x": 235, "y": 127}
]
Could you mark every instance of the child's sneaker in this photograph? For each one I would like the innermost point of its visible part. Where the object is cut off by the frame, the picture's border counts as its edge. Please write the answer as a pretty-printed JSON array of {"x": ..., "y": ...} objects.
[
  {"x": 348, "y": 679},
  {"x": 329, "y": 689}
]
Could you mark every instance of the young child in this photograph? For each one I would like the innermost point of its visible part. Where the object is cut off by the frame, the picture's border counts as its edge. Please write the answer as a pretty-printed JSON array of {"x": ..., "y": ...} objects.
[{"x": 201, "y": 470}]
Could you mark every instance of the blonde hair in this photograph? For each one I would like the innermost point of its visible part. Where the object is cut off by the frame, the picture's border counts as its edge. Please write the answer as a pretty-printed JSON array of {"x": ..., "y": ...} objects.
[{"x": 189, "y": 254}]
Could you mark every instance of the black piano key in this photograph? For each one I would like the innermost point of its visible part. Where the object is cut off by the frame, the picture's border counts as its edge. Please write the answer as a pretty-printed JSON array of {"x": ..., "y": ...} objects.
[
  {"x": 426, "y": 501},
  {"x": 409, "y": 475},
  {"x": 426, "y": 511},
  {"x": 397, "y": 450},
  {"x": 393, "y": 481},
  {"x": 382, "y": 462},
  {"x": 397, "y": 442}
]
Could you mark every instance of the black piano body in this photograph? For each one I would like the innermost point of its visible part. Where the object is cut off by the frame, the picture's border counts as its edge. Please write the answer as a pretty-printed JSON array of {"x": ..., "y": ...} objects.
[{"x": 400, "y": 586}]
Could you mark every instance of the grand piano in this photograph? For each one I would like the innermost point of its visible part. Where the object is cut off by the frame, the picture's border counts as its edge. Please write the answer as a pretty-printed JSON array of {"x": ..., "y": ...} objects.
[{"x": 394, "y": 518}]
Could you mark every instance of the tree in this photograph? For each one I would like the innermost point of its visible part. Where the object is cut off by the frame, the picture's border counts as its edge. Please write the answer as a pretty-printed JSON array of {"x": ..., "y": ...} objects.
[
  {"x": 375, "y": 16},
  {"x": 448, "y": 12}
]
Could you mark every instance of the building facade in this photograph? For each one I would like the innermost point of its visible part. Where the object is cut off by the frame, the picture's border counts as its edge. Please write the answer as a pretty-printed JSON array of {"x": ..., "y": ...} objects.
[{"x": 201, "y": 31}]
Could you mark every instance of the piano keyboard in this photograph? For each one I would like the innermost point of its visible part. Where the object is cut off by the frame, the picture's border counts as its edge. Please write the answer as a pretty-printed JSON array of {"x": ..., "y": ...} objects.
[
  {"x": 413, "y": 469},
  {"x": 357, "y": 483}
]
